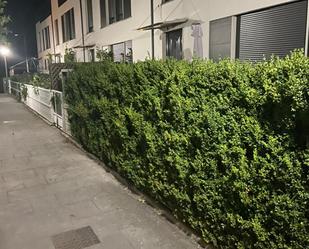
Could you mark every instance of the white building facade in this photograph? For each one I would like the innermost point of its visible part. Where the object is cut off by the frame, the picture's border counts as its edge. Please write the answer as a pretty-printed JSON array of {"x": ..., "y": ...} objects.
[{"x": 245, "y": 29}]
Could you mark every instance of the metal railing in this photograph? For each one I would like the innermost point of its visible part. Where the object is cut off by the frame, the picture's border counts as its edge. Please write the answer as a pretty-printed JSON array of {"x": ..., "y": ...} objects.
[{"x": 47, "y": 103}]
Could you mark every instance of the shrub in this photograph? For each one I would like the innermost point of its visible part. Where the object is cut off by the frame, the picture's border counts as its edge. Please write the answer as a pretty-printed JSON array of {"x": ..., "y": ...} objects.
[
  {"x": 36, "y": 79},
  {"x": 24, "y": 78},
  {"x": 69, "y": 55},
  {"x": 223, "y": 145}
]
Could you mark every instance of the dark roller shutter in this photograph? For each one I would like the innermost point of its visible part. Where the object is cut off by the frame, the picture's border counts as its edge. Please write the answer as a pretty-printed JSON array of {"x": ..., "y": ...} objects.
[{"x": 277, "y": 30}]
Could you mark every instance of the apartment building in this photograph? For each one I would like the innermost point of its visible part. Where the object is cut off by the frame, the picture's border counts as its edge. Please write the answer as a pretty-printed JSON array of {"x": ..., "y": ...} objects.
[{"x": 249, "y": 30}]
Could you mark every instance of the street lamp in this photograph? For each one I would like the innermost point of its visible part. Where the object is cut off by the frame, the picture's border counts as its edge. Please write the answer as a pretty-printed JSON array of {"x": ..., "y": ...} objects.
[
  {"x": 25, "y": 48},
  {"x": 5, "y": 52}
]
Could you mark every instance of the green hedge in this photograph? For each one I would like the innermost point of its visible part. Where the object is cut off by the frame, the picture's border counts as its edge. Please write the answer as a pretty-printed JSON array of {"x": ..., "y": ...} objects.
[
  {"x": 35, "y": 79},
  {"x": 223, "y": 145}
]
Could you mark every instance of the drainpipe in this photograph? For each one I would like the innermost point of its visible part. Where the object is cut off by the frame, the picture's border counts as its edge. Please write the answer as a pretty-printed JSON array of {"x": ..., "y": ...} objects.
[
  {"x": 54, "y": 47},
  {"x": 152, "y": 30},
  {"x": 53, "y": 33},
  {"x": 82, "y": 26}
]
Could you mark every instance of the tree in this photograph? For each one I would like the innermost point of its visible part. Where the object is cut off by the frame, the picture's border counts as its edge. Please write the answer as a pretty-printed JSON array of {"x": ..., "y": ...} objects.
[{"x": 4, "y": 19}]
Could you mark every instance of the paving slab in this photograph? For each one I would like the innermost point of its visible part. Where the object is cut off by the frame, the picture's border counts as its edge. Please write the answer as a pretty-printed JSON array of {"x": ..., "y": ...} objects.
[
  {"x": 48, "y": 186},
  {"x": 3, "y": 196}
]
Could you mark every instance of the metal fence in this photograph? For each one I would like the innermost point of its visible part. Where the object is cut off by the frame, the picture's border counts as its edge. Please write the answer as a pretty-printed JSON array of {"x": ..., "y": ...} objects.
[{"x": 47, "y": 103}]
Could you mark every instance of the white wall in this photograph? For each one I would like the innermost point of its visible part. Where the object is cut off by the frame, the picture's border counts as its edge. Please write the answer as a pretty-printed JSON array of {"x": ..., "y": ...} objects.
[
  {"x": 199, "y": 10},
  {"x": 206, "y": 11},
  {"x": 43, "y": 54},
  {"x": 123, "y": 30},
  {"x": 57, "y": 13}
]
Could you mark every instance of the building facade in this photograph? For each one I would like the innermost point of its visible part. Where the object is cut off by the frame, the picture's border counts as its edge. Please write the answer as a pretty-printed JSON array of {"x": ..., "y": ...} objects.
[{"x": 249, "y": 30}]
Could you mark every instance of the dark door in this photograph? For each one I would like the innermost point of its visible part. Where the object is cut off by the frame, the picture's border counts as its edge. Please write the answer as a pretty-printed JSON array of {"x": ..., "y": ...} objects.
[{"x": 174, "y": 44}]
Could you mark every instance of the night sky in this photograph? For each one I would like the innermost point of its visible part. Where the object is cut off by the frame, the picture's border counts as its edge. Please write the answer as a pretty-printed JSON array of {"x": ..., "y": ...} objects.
[{"x": 24, "y": 14}]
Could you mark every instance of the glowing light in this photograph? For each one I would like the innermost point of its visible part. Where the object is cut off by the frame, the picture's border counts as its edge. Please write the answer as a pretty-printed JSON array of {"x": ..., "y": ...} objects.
[{"x": 4, "y": 51}]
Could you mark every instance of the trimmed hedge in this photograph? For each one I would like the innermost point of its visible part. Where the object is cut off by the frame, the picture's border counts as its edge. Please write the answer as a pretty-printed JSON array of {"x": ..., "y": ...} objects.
[
  {"x": 223, "y": 145},
  {"x": 35, "y": 79}
]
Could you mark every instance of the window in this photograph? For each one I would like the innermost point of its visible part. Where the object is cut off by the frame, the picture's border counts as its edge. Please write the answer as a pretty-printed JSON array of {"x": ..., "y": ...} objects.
[
  {"x": 117, "y": 10},
  {"x": 128, "y": 51},
  {"x": 68, "y": 25},
  {"x": 122, "y": 52},
  {"x": 112, "y": 10},
  {"x": 89, "y": 15},
  {"x": 118, "y": 52},
  {"x": 46, "y": 64},
  {"x": 127, "y": 8},
  {"x": 277, "y": 30},
  {"x": 58, "y": 58},
  {"x": 165, "y": 1},
  {"x": 220, "y": 38},
  {"x": 174, "y": 44},
  {"x": 43, "y": 40},
  {"x": 91, "y": 55},
  {"x": 40, "y": 42},
  {"x": 57, "y": 31},
  {"x": 46, "y": 38},
  {"x": 103, "y": 13},
  {"x": 60, "y": 2}
]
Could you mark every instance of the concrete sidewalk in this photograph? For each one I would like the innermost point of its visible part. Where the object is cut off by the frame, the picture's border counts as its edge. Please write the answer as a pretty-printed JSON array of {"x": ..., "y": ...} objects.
[{"x": 48, "y": 186}]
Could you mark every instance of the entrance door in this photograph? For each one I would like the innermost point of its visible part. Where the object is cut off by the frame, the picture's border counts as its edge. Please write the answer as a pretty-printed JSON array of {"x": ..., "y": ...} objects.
[{"x": 174, "y": 44}]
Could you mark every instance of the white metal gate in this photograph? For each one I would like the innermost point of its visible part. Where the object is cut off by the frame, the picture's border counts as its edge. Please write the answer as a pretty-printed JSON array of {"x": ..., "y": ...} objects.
[{"x": 47, "y": 103}]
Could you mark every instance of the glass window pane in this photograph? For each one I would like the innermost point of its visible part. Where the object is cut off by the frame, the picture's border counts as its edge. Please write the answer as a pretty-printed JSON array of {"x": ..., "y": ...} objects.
[
  {"x": 119, "y": 10},
  {"x": 72, "y": 24},
  {"x": 57, "y": 31},
  {"x": 220, "y": 38},
  {"x": 174, "y": 44},
  {"x": 127, "y": 8},
  {"x": 43, "y": 36},
  {"x": 47, "y": 37},
  {"x": 103, "y": 13},
  {"x": 118, "y": 52},
  {"x": 112, "y": 11},
  {"x": 68, "y": 25},
  {"x": 128, "y": 51},
  {"x": 60, "y": 2},
  {"x": 90, "y": 15},
  {"x": 63, "y": 28}
]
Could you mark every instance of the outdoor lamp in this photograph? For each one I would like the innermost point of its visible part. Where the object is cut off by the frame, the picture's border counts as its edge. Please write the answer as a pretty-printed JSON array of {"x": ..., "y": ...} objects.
[{"x": 4, "y": 51}]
